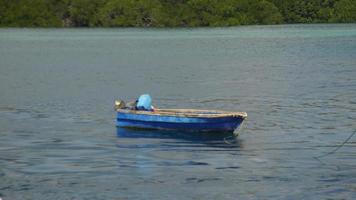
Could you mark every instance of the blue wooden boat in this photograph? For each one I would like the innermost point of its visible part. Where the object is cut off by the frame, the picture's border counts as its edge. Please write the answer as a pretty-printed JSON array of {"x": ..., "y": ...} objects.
[{"x": 180, "y": 119}]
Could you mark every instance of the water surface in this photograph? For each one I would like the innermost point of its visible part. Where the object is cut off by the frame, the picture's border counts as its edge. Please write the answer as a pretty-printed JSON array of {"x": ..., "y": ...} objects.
[{"x": 57, "y": 125}]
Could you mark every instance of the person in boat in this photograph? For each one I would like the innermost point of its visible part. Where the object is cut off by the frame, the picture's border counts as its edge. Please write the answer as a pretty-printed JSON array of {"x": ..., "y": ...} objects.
[{"x": 144, "y": 102}]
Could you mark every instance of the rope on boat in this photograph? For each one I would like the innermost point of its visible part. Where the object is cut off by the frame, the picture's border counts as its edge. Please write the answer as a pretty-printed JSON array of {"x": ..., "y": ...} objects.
[
  {"x": 337, "y": 148},
  {"x": 227, "y": 142},
  {"x": 239, "y": 129},
  {"x": 236, "y": 133}
]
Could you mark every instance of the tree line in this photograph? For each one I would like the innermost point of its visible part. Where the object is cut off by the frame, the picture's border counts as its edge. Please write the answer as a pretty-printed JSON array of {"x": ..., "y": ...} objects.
[{"x": 172, "y": 13}]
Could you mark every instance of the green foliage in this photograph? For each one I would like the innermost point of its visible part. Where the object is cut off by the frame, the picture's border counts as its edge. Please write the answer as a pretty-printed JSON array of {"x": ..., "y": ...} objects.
[
  {"x": 345, "y": 11},
  {"x": 83, "y": 12},
  {"x": 299, "y": 11},
  {"x": 171, "y": 13},
  {"x": 257, "y": 12},
  {"x": 26, "y": 13},
  {"x": 128, "y": 13}
]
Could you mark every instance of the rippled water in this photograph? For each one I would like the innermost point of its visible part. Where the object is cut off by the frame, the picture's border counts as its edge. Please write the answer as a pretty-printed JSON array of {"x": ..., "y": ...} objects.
[{"x": 58, "y": 138}]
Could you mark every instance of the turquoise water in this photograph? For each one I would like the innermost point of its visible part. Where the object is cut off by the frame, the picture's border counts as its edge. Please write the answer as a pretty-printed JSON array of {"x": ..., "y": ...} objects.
[{"x": 58, "y": 138}]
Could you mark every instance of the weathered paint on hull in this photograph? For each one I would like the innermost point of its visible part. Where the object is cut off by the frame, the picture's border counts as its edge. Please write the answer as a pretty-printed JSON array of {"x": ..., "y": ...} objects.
[{"x": 194, "y": 124}]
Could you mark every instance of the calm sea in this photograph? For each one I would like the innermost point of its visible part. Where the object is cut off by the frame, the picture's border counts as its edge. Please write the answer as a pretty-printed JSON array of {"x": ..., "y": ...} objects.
[{"x": 297, "y": 83}]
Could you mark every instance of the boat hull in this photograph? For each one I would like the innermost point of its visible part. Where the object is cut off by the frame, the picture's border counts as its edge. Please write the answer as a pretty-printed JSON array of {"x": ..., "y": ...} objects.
[{"x": 181, "y": 123}]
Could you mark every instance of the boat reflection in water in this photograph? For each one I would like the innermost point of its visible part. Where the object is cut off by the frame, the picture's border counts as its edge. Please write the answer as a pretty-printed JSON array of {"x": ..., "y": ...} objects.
[{"x": 212, "y": 139}]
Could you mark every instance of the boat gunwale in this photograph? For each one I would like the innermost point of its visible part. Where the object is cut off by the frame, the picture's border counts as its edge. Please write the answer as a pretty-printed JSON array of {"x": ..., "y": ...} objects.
[{"x": 187, "y": 113}]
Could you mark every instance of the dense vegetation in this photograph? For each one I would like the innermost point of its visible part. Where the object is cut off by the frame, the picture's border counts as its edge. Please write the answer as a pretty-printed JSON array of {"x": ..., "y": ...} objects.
[{"x": 172, "y": 13}]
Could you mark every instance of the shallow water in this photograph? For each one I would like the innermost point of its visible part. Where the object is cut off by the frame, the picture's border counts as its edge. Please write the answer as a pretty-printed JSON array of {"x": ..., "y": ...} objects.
[{"x": 57, "y": 125}]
